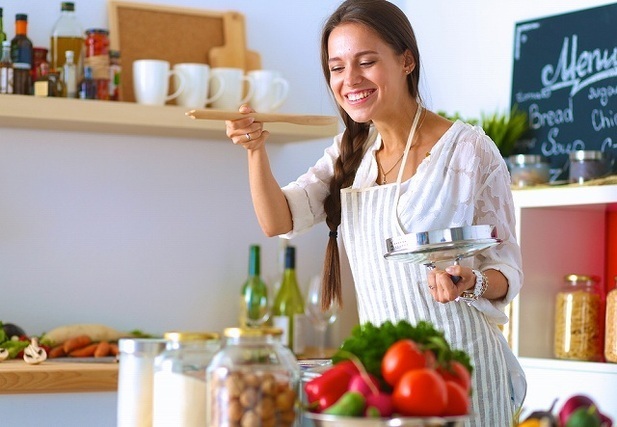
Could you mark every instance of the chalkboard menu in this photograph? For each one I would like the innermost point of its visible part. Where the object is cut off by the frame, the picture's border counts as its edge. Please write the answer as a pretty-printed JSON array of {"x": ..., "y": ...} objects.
[{"x": 565, "y": 78}]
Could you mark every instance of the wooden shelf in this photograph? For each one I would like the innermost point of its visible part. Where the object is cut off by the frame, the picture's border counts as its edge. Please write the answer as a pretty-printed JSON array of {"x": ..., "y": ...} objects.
[
  {"x": 17, "y": 377},
  {"x": 29, "y": 112}
]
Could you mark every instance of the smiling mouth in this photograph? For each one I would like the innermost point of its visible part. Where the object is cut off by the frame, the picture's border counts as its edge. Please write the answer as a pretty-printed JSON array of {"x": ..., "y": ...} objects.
[{"x": 358, "y": 96}]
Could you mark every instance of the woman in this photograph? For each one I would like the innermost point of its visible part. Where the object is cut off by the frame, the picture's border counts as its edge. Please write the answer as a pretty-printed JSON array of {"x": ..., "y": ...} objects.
[{"x": 399, "y": 168}]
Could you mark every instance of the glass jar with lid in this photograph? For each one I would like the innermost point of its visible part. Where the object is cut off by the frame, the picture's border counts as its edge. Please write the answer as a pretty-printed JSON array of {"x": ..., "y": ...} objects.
[
  {"x": 578, "y": 319},
  {"x": 179, "y": 385},
  {"x": 528, "y": 169},
  {"x": 253, "y": 380},
  {"x": 610, "y": 341}
]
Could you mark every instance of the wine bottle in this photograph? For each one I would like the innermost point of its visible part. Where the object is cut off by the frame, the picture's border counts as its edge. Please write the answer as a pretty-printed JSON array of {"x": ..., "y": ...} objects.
[
  {"x": 2, "y": 33},
  {"x": 22, "y": 57},
  {"x": 288, "y": 308},
  {"x": 254, "y": 310}
]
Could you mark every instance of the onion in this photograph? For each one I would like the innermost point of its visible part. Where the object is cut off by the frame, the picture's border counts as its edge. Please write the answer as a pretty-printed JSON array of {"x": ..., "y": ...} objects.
[{"x": 571, "y": 405}]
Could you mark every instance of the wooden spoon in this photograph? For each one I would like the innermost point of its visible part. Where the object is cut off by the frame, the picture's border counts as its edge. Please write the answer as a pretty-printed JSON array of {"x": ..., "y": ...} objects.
[{"x": 208, "y": 114}]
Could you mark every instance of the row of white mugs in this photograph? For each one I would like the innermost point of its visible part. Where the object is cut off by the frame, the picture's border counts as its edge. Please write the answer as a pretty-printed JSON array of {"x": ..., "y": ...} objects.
[{"x": 197, "y": 85}]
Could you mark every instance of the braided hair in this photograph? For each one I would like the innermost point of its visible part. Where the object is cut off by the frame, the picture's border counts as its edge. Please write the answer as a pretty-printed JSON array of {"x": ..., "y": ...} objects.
[{"x": 393, "y": 27}]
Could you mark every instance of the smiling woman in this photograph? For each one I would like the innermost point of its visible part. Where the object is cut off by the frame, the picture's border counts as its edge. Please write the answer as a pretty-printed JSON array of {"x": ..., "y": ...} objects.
[{"x": 400, "y": 168}]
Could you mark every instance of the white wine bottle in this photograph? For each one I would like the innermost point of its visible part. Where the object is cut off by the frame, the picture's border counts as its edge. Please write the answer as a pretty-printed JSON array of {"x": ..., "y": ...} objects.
[
  {"x": 288, "y": 308},
  {"x": 254, "y": 310}
]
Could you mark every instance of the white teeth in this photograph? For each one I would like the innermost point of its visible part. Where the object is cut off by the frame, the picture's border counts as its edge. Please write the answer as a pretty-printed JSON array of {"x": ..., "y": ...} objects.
[{"x": 358, "y": 95}]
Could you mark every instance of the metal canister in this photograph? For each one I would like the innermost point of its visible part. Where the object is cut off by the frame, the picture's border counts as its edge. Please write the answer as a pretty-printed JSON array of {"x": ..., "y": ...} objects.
[
  {"x": 587, "y": 165},
  {"x": 578, "y": 319},
  {"x": 253, "y": 380},
  {"x": 97, "y": 57}
]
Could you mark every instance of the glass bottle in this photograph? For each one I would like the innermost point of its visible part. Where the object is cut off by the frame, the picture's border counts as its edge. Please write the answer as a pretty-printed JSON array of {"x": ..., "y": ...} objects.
[
  {"x": 610, "y": 340},
  {"x": 253, "y": 380},
  {"x": 578, "y": 319},
  {"x": 69, "y": 75},
  {"x": 67, "y": 34},
  {"x": 97, "y": 57},
  {"x": 254, "y": 309},
  {"x": 180, "y": 379},
  {"x": 115, "y": 73},
  {"x": 6, "y": 69},
  {"x": 87, "y": 87},
  {"x": 21, "y": 55},
  {"x": 40, "y": 65},
  {"x": 288, "y": 307},
  {"x": 2, "y": 33}
]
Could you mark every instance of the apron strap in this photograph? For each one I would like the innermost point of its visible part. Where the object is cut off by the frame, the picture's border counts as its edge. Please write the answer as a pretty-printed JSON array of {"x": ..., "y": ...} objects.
[{"x": 412, "y": 133}]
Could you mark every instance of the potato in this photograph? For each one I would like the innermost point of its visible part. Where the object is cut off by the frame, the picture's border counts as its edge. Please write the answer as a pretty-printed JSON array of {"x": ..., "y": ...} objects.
[{"x": 96, "y": 332}]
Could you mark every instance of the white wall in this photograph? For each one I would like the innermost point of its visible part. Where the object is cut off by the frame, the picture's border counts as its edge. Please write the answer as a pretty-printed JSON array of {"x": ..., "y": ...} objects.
[{"x": 153, "y": 233}]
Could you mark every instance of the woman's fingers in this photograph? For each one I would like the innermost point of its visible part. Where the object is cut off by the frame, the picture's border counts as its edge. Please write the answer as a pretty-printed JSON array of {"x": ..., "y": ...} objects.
[
  {"x": 441, "y": 286},
  {"x": 246, "y": 131}
]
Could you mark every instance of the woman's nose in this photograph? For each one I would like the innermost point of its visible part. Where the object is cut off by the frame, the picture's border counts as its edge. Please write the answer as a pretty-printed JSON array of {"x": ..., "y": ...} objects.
[{"x": 352, "y": 76}]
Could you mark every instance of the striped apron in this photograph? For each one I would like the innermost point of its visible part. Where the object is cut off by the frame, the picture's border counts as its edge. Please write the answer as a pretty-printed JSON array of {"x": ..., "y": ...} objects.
[{"x": 394, "y": 290}]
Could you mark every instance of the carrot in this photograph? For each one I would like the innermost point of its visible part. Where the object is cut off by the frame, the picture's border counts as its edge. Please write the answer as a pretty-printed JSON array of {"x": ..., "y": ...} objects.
[
  {"x": 102, "y": 349},
  {"x": 57, "y": 351},
  {"x": 113, "y": 349},
  {"x": 87, "y": 351},
  {"x": 76, "y": 342}
]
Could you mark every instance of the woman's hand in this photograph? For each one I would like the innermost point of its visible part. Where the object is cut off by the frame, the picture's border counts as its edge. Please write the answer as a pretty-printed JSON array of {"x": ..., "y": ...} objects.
[
  {"x": 443, "y": 289},
  {"x": 246, "y": 131}
]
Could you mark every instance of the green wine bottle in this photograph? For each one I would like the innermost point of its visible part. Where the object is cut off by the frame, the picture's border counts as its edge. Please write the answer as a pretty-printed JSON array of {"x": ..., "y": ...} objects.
[
  {"x": 254, "y": 310},
  {"x": 288, "y": 308}
]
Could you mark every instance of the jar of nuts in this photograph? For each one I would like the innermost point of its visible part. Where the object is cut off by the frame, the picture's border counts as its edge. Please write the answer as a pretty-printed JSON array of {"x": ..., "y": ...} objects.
[
  {"x": 610, "y": 343},
  {"x": 253, "y": 380},
  {"x": 578, "y": 319}
]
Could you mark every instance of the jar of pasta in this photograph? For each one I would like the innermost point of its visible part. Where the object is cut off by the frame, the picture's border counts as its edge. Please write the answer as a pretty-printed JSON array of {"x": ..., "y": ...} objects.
[
  {"x": 610, "y": 342},
  {"x": 253, "y": 380},
  {"x": 578, "y": 319}
]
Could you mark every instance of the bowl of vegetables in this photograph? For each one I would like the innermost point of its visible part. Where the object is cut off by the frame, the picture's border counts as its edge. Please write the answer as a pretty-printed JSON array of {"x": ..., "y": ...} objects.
[{"x": 391, "y": 375}]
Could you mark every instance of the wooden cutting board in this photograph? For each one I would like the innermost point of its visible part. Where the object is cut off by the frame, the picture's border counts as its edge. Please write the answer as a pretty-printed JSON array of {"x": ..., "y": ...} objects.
[{"x": 233, "y": 52}]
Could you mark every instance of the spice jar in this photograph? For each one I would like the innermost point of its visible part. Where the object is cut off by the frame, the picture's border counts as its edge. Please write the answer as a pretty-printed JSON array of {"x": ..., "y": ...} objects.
[
  {"x": 528, "y": 169},
  {"x": 610, "y": 341},
  {"x": 578, "y": 319},
  {"x": 587, "y": 165},
  {"x": 253, "y": 380},
  {"x": 180, "y": 379},
  {"x": 135, "y": 373}
]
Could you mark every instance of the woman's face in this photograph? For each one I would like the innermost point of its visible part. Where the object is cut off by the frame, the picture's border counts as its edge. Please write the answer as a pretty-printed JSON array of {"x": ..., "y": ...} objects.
[{"x": 367, "y": 77}]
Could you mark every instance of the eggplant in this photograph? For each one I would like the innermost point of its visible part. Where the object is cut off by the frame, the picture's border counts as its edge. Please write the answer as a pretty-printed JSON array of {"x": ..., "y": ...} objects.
[{"x": 11, "y": 330}]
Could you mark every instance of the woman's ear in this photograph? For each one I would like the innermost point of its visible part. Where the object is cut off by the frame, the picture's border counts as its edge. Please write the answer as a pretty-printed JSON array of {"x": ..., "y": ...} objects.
[{"x": 409, "y": 61}]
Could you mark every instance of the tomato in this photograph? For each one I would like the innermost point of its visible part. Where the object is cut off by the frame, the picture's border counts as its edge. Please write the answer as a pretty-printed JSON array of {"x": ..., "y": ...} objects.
[
  {"x": 458, "y": 400},
  {"x": 333, "y": 383},
  {"x": 402, "y": 356},
  {"x": 458, "y": 373},
  {"x": 420, "y": 392}
]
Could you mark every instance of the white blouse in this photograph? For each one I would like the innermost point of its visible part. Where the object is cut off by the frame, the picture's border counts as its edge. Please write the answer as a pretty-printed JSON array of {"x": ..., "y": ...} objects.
[{"x": 464, "y": 181}]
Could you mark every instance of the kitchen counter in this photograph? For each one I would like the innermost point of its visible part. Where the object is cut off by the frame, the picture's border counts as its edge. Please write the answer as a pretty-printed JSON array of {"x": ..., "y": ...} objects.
[{"x": 53, "y": 376}]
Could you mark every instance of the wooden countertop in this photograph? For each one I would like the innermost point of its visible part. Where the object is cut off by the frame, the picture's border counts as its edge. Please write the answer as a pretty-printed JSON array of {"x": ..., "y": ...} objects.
[
  {"x": 53, "y": 376},
  {"x": 17, "y": 377}
]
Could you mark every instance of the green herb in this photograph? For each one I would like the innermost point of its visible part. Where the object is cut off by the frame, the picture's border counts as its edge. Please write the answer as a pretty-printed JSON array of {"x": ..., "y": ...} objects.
[{"x": 369, "y": 343}]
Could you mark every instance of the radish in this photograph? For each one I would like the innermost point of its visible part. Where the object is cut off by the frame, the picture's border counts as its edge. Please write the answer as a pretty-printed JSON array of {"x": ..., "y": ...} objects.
[
  {"x": 359, "y": 383},
  {"x": 379, "y": 405}
]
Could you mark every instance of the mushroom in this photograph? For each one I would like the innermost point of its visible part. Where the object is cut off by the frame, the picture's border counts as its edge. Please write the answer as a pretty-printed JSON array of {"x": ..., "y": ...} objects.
[
  {"x": 4, "y": 354},
  {"x": 33, "y": 354}
]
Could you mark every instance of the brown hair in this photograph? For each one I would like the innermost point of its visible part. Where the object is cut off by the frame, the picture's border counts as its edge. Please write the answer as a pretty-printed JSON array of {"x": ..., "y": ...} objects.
[{"x": 393, "y": 27}]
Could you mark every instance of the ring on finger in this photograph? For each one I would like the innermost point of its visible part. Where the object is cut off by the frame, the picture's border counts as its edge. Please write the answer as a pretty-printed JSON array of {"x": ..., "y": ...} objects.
[
  {"x": 431, "y": 287},
  {"x": 248, "y": 136}
]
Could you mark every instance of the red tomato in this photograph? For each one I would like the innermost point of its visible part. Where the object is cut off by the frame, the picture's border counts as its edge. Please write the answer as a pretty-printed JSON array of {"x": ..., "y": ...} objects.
[
  {"x": 402, "y": 356},
  {"x": 458, "y": 373},
  {"x": 420, "y": 392},
  {"x": 458, "y": 400}
]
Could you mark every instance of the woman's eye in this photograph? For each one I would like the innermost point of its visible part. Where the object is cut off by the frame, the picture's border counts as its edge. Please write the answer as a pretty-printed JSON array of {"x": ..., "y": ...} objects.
[
  {"x": 366, "y": 63},
  {"x": 336, "y": 69}
]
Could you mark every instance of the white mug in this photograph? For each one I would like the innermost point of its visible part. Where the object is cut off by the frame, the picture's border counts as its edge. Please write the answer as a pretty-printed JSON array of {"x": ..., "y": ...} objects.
[
  {"x": 270, "y": 92},
  {"x": 234, "y": 81},
  {"x": 197, "y": 79},
  {"x": 151, "y": 81}
]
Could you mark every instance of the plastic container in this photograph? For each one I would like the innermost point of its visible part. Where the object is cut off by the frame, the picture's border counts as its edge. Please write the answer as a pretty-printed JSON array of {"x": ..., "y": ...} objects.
[
  {"x": 180, "y": 379},
  {"x": 578, "y": 319},
  {"x": 610, "y": 340},
  {"x": 528, "y": 169},
  {"x": 135, "y": 378},
  {"x": 587, "y": 165},
  {"x": 253, "y": 380}
]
